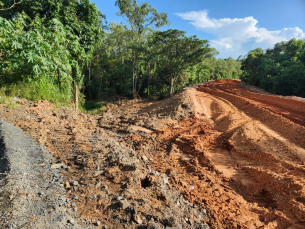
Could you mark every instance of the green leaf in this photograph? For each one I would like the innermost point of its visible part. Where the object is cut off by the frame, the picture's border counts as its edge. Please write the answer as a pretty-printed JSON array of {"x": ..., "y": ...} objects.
[{"x": 36, "y": 69}]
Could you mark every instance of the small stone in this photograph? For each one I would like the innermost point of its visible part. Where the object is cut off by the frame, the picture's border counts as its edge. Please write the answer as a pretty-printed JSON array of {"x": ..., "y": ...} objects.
[
  {"x": 97, "y": 173},
  {"x": 150, "y": 159},
  {"x": 59, "y": 165},
  {"x": 93, "y": 196},
  {"x": 170, "y": 222},
  {"x": 104, "y": 227},
  {"x": 204, "y": 226},
  {"x": 165, "y": 180},
  {"x": 75, "y": 183},
  {"x": 185, "y": 106},
  {"x": 130, "y": 168},
  {"x": 153, "y": 225},
  {"x": 204, "y": 211},
  {"x": 124, "y": 204},
  {"x": 120, "y": 198},
  {"x": 73, "y": 205},
  {"x": 98, "y": 184},
  {"x": 138, "y": 219},
  {"x": 144, "y": 158},
  {"x": 67, "y": 185},
  {"x": 98, "y": 223},
  {"x": 104, "y": 187}
]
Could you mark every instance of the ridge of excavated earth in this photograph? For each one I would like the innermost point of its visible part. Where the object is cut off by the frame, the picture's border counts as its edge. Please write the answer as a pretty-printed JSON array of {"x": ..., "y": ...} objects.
[{"x": 217, "y": 155}]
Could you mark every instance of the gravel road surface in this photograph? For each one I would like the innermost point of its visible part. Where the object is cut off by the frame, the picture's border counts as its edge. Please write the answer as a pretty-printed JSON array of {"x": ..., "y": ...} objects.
[{"x": 30, "y": 192}]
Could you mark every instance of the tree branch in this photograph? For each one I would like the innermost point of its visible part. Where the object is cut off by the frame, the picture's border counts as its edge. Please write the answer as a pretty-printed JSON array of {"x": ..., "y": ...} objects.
[{"x": 15, "y": 3}]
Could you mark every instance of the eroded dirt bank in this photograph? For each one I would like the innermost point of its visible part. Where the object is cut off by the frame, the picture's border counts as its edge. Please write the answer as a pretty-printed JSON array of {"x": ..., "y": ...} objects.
[{"x": 236, "y": 156}]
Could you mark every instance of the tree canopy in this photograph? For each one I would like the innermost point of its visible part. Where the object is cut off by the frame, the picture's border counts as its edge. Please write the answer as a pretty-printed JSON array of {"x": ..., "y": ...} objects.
[
  {"x": 49, "y": 38},
  {"x": 280, "y": 70}
]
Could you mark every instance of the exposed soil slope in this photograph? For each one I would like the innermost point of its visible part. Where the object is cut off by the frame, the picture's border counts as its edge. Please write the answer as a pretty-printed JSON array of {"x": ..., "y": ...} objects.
[{"x": 237, "y": 156}]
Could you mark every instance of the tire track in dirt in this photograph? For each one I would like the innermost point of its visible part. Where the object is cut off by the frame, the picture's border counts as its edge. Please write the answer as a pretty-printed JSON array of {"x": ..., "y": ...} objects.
[
  {"x": 274, "y": 165},
  {"x": 263, "y": 112},
  {"x": 245, "y": 162},
  {"x": 287, "y": 107}
]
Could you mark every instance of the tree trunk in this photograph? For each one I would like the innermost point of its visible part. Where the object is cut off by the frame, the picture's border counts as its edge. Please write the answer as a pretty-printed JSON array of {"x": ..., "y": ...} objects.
[
  {"x": 76, "y": 96},
  {"x": 137, "y": 74},
  {"x": 133, "y": 80},
  {"x": 59, "y": 78},
  {"x": 90, "y": 83},
  {"x": 172, "y": 87},
  {"x": 149, "y": 74}
]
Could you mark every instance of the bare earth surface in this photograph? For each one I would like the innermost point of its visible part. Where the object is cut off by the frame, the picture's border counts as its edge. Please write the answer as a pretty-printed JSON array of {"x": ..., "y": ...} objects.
[{"x": 214, "y": 155}]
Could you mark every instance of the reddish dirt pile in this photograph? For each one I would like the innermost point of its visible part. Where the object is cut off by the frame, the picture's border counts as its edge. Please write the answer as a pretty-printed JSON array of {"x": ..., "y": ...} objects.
[
  {"x": 242, "y": 159},
  {"x": 289, "y": 108}
]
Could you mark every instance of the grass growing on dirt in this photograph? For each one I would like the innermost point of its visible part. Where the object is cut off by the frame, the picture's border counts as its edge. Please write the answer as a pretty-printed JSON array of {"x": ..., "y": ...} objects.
[
  {"x": 13, "y": 105},
  {"x": 92, "y": 107},
  {"x": 9, "y": 101},
  {"x": 34, "y": 92},
  {"x": 58, "y": 98}
]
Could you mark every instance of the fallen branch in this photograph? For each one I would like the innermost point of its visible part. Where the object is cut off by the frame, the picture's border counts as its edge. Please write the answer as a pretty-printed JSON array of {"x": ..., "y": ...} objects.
[{"x": 15, "y": 3}]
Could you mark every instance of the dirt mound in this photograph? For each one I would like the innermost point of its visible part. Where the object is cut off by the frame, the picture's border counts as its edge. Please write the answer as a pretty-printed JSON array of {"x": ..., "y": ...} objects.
[{"x": 107, "y": 183}]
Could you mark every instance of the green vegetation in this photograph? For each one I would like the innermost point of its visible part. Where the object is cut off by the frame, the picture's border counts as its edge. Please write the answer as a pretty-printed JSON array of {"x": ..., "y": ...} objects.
[
  {"x": 45, "y": 46},
  {"x": 135, "y": 60},
  {"x": 280, "y": 70},
  {"x": 93, "y": 107},
  {"x": 60, "y": 50}
]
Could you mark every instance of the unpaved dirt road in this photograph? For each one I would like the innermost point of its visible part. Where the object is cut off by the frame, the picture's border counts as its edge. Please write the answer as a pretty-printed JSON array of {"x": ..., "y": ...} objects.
[
  {"x": 237, "y": 155},
  {"x": 256, "y": 145}
]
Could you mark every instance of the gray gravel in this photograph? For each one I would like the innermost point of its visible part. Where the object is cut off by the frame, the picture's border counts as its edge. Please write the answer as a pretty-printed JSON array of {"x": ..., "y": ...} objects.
[{"x": 31, "y": 195}]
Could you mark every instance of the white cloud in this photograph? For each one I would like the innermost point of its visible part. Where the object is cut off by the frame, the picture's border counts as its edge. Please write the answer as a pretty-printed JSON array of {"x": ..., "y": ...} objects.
[{"x": 236, "y": 35}]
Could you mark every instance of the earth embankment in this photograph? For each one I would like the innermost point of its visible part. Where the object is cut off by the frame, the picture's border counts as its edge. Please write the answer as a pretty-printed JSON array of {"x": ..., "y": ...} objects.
[{"x": 237, "y": 157}]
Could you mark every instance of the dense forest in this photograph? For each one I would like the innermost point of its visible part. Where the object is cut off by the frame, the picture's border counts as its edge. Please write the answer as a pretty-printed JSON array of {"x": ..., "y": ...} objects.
[
  {"x": 64, "y": 51},
  {"x": 55, "y": 49},
  {"x": 280, "y": 70}
]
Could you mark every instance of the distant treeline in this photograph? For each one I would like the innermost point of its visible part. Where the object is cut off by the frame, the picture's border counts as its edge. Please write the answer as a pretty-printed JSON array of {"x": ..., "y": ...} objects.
[
  {"x": 280, "y": 70},
  {"x": 162, "y": 63},
  {"x": 54, "y": 49}
]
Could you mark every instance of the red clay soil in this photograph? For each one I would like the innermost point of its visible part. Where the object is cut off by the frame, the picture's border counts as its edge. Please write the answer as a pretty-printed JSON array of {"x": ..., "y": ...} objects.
[
  {"x": 289, "y": 108},
  {"x": 239, "y": 157}
]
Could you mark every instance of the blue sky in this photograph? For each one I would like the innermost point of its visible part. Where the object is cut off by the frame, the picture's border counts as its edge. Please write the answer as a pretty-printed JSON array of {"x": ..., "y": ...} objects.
[{"x": 233, "y": 27}]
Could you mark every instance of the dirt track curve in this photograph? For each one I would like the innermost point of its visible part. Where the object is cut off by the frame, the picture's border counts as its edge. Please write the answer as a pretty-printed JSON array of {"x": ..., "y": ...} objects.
[
  {"x": 256, "y": 147},
  {"x": 237, "y": 155}
]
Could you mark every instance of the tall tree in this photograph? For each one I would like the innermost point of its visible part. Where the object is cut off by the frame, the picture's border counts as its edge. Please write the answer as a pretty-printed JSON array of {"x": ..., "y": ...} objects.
[
  {"x": 140, "y": 19},
  {"x": 178, "y": 52}
]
